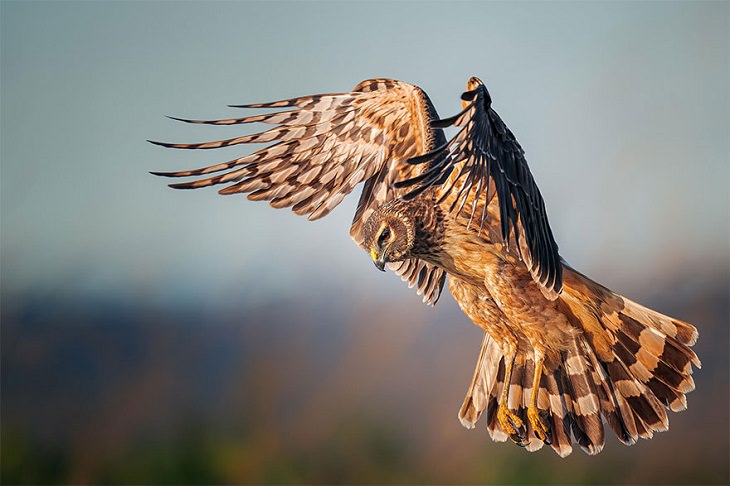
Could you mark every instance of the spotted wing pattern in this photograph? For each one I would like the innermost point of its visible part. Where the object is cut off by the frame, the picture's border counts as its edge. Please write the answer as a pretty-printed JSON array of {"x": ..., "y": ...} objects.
[
  {"x": 323, "y": 146},
  {"x": 484, "y": 155}
]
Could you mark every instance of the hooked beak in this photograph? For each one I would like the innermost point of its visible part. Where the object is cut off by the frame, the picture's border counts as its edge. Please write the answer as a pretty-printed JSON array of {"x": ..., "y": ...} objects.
[{"x": 379, "y": 261}]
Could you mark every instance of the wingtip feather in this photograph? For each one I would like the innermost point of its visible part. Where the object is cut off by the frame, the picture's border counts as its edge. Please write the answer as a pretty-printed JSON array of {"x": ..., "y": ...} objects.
[
  {"x": 184, "y": 120},
  {"x": 182, "y": 185},
  {"x": 167, "y": 144},
  {"x": 163, "y": 174}
]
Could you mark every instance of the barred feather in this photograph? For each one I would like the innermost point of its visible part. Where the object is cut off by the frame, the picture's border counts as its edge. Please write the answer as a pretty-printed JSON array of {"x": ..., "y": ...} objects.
[
  {"x": 322, "y": 148},
  {"x": 483, "y": 383},
  {"x": 428, "y": 280},
  {"x": 485, "y": 154},
  {"x": 560, "y": 419},
  {"x": 531, "y": 442},
  {"x": 585, "y": 404},
  {"x": 493, "y": 427},
  {"x": 624, "y": 372}
]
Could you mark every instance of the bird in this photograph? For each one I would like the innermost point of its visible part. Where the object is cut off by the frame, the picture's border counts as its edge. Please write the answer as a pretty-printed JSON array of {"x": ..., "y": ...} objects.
[{"x": 561, "y": 355}]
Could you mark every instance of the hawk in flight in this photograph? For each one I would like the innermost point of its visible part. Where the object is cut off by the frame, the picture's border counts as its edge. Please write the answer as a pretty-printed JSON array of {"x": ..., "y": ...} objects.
[{"x": 561, "y": 354}]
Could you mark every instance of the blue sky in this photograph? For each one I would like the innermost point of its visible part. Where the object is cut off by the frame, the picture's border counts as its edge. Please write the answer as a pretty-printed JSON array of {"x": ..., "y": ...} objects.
[{"x": 622, "y": 108}]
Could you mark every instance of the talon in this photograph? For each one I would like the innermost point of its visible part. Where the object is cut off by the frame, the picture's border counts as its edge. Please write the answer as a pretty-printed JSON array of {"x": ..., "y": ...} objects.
[
  {"x": 512, "y": 425},
  {"x": 539, "y": 425},
  {"x": 518, "y": 440},
  {"x": 545, "y": 417}
]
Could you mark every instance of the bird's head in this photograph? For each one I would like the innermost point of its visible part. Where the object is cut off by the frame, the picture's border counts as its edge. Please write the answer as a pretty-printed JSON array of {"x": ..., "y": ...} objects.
[{"x": 389, "y": 233}]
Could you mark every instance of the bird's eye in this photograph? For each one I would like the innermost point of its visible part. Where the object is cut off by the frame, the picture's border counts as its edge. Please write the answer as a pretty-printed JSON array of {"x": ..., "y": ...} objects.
[{"x": 384, "y": 236}]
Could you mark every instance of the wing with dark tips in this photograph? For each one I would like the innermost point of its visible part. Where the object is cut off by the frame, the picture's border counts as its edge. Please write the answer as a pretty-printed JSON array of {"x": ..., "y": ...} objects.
[
  {"x": 321, "y": 147},
  {"x": 484, "y": 159}
]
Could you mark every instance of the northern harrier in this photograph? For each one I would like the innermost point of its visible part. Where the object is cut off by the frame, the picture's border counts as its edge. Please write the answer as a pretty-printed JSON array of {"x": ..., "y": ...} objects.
[{"x": 561, "y": 354}]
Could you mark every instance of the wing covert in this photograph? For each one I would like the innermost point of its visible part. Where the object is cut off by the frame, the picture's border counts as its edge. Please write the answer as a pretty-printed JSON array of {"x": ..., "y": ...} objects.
[
  {"x": 482, "y": 160},
  {"x": 321, "y": 147}
]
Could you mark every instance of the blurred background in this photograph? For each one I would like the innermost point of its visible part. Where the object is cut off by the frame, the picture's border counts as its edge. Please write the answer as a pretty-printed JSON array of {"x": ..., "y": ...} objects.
[{"x": 154, "y": 336}]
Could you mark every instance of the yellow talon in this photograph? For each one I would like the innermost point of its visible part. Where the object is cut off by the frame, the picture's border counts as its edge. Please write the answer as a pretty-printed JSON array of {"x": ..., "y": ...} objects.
[
  {"x": 538, "y": 424},
  {"x": 511, "y": 423}
]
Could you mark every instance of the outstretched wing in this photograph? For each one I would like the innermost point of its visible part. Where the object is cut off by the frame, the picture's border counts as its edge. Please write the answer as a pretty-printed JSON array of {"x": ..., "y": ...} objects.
[
  {"x": 324, "y": 145},
  {"x": 485, "y": 159}
]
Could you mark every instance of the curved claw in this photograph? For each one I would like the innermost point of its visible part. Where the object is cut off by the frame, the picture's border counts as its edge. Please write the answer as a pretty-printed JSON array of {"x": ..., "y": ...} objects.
[
  {"x": 518, "y": 441},
  {"x": 512, "y": 425},
  {"x": 540, "y": 424}
]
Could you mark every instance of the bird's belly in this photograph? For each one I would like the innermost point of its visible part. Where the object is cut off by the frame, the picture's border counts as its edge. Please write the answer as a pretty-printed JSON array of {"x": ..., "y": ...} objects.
[{"x": 504, "y": 282}]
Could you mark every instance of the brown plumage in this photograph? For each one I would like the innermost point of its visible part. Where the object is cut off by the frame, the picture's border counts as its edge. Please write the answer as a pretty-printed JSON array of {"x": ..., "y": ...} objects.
[
  {"x": 326, "y": 145},
  {"x": 561, "y": 354}
]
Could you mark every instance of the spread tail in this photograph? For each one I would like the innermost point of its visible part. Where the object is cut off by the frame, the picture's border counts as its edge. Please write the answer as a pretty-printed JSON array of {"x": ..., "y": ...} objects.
[{"x": 629, "y": 366}]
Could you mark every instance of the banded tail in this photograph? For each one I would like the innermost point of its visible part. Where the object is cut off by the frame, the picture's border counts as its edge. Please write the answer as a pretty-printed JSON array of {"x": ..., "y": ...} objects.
[{"x": 628, "y": 368}]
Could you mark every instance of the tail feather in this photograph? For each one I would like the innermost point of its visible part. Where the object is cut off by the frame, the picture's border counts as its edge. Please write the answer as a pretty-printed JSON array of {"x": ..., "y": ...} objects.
[
  {"x": 607, "y": 399},
  {"x": 682, "y": 331},
  {"x": 627, "y": 368},
  {"x": 532, "y": 442},
  {"x": 482, "y": 383},
  {"x": 588, "y": 427},
  {"x": 493, "y": 427},
  {"x": 650, "y": 348},
  {"x": 559, "y": 419},
  {"x": 648, "y": 364}
]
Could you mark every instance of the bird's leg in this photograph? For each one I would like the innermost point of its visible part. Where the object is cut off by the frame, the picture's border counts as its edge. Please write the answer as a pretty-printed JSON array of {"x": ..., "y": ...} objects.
[
  {"x": 511, "y": 424},
  {"x": 541, "y": 429}
]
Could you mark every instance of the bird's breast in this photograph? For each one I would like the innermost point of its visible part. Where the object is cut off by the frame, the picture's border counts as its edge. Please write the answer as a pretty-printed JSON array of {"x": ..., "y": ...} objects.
[{"x": 466, "y": 254}]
